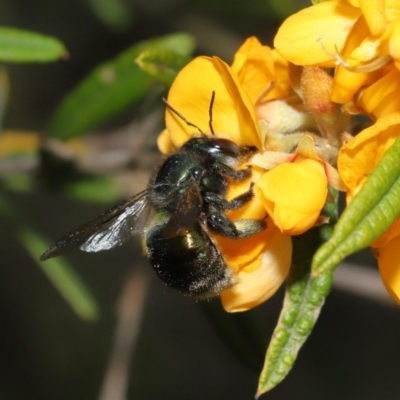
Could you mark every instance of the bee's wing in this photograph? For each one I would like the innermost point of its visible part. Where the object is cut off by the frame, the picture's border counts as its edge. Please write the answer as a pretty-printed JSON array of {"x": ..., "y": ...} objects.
[{"x": 110, "y": 229}]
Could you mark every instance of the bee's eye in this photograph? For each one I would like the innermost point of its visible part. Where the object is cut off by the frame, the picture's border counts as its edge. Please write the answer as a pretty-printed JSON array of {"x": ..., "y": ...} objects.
[{"x": 224, "y": 146}]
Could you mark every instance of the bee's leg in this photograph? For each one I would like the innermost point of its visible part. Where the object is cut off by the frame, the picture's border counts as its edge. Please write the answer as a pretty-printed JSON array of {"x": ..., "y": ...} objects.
[
  {"x": 241, "y": 228},
  {"x": 236, "y": 175},
  {"x": 220, "y": 203}
]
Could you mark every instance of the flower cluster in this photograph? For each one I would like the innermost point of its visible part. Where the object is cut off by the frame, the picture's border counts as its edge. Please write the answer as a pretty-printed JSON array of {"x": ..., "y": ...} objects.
[
  {"x": 362, "y": 40},
  {"x": 287, "y": 104},
  {"x": 252, "y": 107}
]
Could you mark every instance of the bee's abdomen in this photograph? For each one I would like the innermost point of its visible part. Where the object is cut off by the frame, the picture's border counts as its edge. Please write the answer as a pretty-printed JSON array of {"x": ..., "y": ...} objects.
[{"x": 190, "y": 264}]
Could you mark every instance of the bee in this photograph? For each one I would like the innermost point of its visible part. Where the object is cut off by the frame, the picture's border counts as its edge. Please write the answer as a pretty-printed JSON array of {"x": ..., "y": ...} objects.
[{"x": 184, "y": 202}]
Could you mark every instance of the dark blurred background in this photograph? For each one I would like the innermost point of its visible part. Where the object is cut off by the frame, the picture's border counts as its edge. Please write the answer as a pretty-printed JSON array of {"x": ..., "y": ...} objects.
[{"x": 149, "y": 343}]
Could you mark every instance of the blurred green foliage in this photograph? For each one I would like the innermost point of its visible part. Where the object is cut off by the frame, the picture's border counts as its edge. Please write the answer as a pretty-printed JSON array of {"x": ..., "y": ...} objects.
[
  {"x": 105, "y": 93},
  {"x": 114, "y": 13},
  {"x": 18, "y": 45},
  {"x": 117, "y": 84}
]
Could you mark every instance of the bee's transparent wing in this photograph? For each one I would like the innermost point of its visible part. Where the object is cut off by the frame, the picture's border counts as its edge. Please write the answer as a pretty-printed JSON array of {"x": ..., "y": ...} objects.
[{"x": 110, "y": 229}]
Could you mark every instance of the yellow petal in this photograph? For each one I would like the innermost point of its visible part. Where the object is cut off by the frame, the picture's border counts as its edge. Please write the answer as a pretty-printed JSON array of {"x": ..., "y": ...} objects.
[
  {"x": 254, "y": 65},
  {"x": 380, "y": 14},
  {"x": 240, "y": 254},
  {"x": 354, "y": 3},
  {"x": 359, "y": 156},
  {"x": 392, "y": 10},
  {"x": 311, "y": 35},
  {"x": 281, "y": 66},
  {"x": 233, "y": 115},
  {"x": 394, "y": 43},
  {"x": 253, "y": 209},
  {"x": 382, "y": 97},
  {"x": 306, "y": 147},
  {"x": 369, "y": 49},
  {"x": 164, "y": 142},
  {"x": 375, "y": 14},
  {"x": 257, "y": 286},
  {"x": 346, "y": 83},
  {"x": 389, "y": 267},
  {"x": 360, "y": 46},
  {"x": 294, "y": 194},
  {"x": 390, "y": 234},
  {"x": 248, "y": 131}
]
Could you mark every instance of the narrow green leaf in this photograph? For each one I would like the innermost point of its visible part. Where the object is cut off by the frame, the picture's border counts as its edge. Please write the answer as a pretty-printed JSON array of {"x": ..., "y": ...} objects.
[
  {"x": 110, "y": 89},
  {"x": 303, "y": 301},
  {"x": 161, "y": 64},
  {"x": 180, "y": 43},
  {"x": 368, "y": 216},
  {"x": 113, "y": 13},
  {"x": 62, "y": 276},
  {"x": 18, "y": 45},
  {"x": 99, "y": 189},
  {"x": 18, "y": 182}
]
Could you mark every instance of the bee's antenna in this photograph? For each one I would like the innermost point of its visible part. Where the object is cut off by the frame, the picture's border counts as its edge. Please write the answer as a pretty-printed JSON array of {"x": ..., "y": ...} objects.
[
  {"x": 210, "y": 112},
  {"x": 176, "y": 112}
]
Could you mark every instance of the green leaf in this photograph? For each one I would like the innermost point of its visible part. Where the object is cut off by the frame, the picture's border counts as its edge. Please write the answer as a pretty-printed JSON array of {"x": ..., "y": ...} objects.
[
  {"x": 101, "y": 189},
  {"x": 110, "y": 88},
  {"x": 113, "y": 13},
  {"x": 18, "y": 182},
  {"x": 180, "y": 43},
  {"x": 18, "y": 45},
  {"x": 304, "y": 298},
  {"x": 62, "y": 276},
  {"x": 368, "y": 216},
  {"x": 161, "y": 64}
]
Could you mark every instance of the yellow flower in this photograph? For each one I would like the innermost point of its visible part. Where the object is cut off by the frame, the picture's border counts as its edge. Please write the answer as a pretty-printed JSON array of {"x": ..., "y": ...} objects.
[
  {"x": 262, "y": 261},
  {"x": 359, "y": 36},
  {"x": 262, "y": 72},
  {"x": 294, "y": 194},
  {"x": 312, "y": 35},
  {"x": 259, "y": 280},
  {"x": 258, "y": 75},
  {"x": 233, "y": 111},
  {"x": 359, "y": 156},
  {"x": 349, "y": 78},
  {"x": 356, "y": 161}
]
